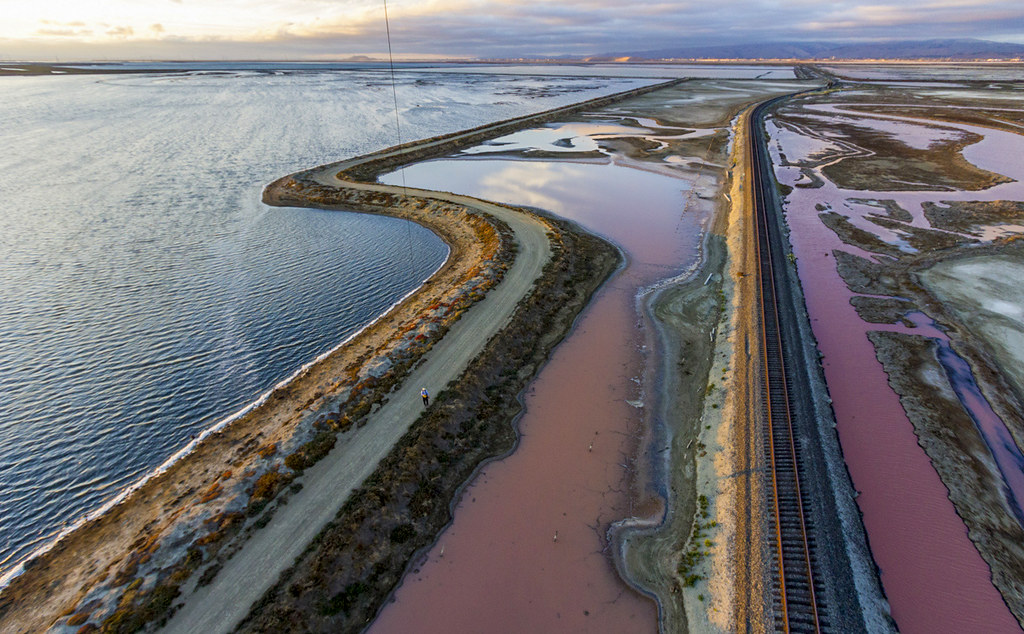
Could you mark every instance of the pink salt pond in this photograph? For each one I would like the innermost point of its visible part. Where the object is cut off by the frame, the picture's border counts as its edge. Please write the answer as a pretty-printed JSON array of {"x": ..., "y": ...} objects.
[
  {"x": 932, "y": 574},
  {"x": 526, "y": 550}
]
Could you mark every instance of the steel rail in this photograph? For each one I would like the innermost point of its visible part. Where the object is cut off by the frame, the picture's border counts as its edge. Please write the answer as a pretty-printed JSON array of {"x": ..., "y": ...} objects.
[{"x": 795, "y": 564}]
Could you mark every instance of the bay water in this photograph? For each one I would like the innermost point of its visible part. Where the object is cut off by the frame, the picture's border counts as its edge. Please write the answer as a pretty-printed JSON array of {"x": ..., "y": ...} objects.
[{"x": 145, "y": 292}]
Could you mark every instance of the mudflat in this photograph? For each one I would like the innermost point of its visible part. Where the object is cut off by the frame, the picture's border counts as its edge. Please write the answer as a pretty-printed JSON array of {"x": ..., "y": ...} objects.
[{"x": 986, "y": 295}]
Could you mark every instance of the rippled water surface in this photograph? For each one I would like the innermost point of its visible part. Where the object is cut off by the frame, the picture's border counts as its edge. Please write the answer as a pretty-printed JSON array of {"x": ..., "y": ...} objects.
[{"x": 146, "y": 293}]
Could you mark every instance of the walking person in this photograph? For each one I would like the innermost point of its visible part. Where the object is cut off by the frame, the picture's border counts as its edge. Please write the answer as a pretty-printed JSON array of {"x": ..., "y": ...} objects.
[{"x": 426, "y": 397}]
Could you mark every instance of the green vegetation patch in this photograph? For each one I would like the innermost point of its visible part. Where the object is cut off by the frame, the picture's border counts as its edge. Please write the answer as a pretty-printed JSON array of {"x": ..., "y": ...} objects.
[
  {"x": 867, "y": 276},
  {"x": 312, "y": 452},
  {"x": 698, "y": 547}
]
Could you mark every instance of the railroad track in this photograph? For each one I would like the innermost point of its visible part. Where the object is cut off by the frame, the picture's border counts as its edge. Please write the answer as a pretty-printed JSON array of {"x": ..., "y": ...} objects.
[{"x": 796, "y": 597}]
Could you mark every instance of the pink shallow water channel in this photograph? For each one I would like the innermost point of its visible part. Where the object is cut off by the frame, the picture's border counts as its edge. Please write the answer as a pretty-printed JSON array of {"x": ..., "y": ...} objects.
[
  {"x": 932, "y": 574},
  {"x": 526, "y": 551}
]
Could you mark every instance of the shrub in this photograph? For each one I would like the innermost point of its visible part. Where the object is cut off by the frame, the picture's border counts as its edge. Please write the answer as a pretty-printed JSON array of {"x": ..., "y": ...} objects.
[
  {"x": 311, "y": 452},
  {"x": 208, "y": 575},
  {"x": 344, "y": 600},
  {"x": 266, "y": 485},
  {"x": 402, "y": 533},
  {"x": 296, "y": 461},
  {"x": 209, "y": 538},
  {"x": 211, "y": 493},
  {"x": 320, "y": 446}
]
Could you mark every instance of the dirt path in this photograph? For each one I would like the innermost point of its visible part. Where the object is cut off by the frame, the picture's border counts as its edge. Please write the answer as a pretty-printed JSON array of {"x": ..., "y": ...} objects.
[
  {"x": 246, "y": 576},
  {"x": 742, "y": 509}
]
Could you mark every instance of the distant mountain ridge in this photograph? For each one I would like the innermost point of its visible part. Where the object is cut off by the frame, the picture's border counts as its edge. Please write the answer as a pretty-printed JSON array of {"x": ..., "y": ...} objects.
[{"x": 953, "y": 49}]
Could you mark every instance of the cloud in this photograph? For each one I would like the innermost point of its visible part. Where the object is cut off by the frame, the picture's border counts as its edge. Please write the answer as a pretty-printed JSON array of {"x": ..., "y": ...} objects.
[
  {"x": 519, "y": 28},
  {"x": 500, "y": 28},
  {"x": 75, "y": 23},
  {"x": 120, "y": 32},
  {"x": 931, "y": 19},
  {"x": 60, "y": 29},
  {"x": 64, "y": 32}
]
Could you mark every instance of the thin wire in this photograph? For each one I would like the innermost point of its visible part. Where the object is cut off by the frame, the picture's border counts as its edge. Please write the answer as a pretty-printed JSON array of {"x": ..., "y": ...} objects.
[
  {"x": 394, "y": 91},
  {"x": 398, "y": 129}
]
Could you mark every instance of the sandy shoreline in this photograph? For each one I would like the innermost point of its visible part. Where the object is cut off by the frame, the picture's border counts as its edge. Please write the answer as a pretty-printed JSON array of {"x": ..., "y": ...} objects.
[
  {"x": 183, "y": 498},
  {"x": 217, "y": 427}
]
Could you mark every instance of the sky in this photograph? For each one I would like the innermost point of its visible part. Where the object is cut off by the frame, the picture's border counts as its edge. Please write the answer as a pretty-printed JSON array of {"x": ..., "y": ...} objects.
[{"x": 64, "y": 30}]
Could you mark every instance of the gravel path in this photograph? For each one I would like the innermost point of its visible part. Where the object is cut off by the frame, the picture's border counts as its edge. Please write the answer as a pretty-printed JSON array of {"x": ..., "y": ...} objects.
[{"x": 220, "y": 606}]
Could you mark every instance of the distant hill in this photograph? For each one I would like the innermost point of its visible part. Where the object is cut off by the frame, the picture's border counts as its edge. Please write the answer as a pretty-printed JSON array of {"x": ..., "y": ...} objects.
[{"x": 959, "y": 49}]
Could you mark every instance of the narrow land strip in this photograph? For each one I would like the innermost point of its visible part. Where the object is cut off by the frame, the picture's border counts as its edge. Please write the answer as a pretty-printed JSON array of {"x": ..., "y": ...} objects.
[
  {"x": 219, "y": 606},
  {"x": 326, "y": 487},
  {"x": 245, "y": 577}
]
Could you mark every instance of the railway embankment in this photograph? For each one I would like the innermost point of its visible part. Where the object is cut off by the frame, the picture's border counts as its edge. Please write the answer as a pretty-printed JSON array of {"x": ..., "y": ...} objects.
[{"x": 847, "y": 591}]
